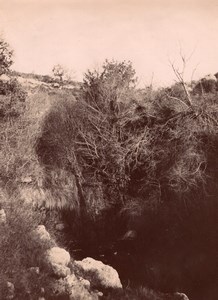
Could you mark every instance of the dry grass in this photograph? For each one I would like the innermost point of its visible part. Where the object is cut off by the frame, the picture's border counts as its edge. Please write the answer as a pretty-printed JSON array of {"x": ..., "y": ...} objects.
[{"x": 18, "y": 249}]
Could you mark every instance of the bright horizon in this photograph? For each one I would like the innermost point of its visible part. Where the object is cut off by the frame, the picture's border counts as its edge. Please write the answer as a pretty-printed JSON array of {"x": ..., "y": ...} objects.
[{"x": 82, "y": 34}]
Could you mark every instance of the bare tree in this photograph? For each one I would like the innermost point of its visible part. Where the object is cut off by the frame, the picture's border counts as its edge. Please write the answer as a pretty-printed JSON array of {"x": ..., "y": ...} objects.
[{"x": 179, "y": 73}]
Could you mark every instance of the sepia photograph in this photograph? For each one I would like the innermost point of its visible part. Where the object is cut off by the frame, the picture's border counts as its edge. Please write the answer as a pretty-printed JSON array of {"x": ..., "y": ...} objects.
[{"x": 108, "y": 150}]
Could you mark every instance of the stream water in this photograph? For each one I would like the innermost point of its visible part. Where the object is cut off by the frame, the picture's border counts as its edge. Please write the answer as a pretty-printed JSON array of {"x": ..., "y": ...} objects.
[{"x": 136, "y": 269}]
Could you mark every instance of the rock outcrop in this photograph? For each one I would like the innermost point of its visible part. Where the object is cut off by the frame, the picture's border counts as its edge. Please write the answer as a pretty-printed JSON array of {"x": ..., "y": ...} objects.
[
  {"x": 42, "y": 234},
  {"x": 57, "y": 260},
  {"x": 78, "y": 279},
  {"x": 60, "y": 226},
  {"x": 180, "y": 296},
  {"x": 88, "y": 279},
  {"x": 100, "y": 275}
]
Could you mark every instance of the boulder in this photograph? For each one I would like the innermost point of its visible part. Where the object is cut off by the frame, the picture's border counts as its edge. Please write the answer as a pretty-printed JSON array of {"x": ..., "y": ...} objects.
[
  {"x": 58, "y": 256},
  {"x": 27, "y": 179},
  {"x": 58, "y": 270},
  {"x": 34, "y": 270},
  {"x": 55, "y": 85},
  {"x": 99, "y": 274},
  {"x": 42, "y": 234},
  {"x": 57, "y": 261},
  {"x": 60, "y": 226},
  {"x": 180, "y": 296},
  {"x": 79, "y": 289},
  {"x": 85, "y": 283}
]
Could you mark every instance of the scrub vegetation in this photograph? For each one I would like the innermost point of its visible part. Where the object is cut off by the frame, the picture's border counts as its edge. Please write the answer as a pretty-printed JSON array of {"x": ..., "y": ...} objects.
[{"x": 110, "y": 158}]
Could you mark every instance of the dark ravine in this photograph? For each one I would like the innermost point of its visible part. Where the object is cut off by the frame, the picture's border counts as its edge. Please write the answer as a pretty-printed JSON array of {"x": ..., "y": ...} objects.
[{"x": 136, "y": 270}]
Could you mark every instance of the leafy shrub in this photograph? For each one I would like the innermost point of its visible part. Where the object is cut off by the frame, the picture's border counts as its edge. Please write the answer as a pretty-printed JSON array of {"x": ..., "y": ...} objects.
[
  {"x": 6, "y": 54},
  {"x": 12, "y": 99},
  {"x": 144, "y": 161},
  {"x": 82, "y": 136},
  {"x": 130, "y": 149}
]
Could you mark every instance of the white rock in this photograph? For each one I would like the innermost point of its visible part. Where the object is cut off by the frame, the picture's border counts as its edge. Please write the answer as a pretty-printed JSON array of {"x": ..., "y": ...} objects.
[
  {"x": 2, "y": 216},
  {"x": 42, "y": 234},
  {"x": 180, "y": 296},
  {"x": 34, "y": 270},
  {"x": 99, "y": 274},
  {"x": 56, "y": 85},
  {"x": 85, "y": 283},
  {"x": 27, "y": 179},
  {"x": 59, "y": 271},
  {"x": 4, "y": 78},
  {"x": 10, "y": 291},
  {"x": 77, "y": 288},
  {"x": 71, "y": 280},
  {"x": 56, "y": 260},
  {"x": 57, "y": 255},
  {"x": 60, "y": 226}
]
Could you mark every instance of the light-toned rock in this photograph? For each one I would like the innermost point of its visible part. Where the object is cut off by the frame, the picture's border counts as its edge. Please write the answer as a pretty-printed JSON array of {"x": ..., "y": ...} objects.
[
  {"x": 85, "y": 283},
  {"x": 2, "y": 217},
  {"x": 27, "y": 179},
  {"x": 34, "y": 270},
  {"x": 60, "y": 226},
  {"x": 180, "y": 296},
  {"x": 4, "y": 78},
  {"x": 74, "y": 289},
  {"x": 71, "y": 280},
  {"x": 56, "y": 261},
  {"x": 130, "y": 235},
  {"x": 99, "y": 274},
  {"x": 10, "y": 291},
  {"x": 59, "y": 270},
  {"x": 41, "y": 233},
  {"x": 57, "y": 255},
  {"x": 56, "y": 85}
]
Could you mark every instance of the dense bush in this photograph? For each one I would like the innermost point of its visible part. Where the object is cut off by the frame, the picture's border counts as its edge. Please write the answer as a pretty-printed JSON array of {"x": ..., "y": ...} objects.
[
  {"x": 118, "y": 158},
  {"x": 153, "y": 149},
  {"x": 12, "y": 95},
  {"x": 12, "y": 99},
  {"x": 142, "y": 160},
  {"x": 82, "y": 136},
  {"x": 6, "y": 54}
]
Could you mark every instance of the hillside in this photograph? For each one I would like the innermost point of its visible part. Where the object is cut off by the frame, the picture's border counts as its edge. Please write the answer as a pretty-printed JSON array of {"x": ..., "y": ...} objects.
[{"x": 127, "y": 176}]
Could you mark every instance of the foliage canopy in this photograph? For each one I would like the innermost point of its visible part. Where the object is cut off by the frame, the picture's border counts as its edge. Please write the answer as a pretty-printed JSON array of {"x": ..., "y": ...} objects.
[{"x": 6, "y": 54}]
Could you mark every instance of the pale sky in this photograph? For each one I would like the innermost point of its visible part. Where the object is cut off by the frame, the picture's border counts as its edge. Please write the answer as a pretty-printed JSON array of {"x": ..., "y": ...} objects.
[{"x": 81, "y": 34}]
